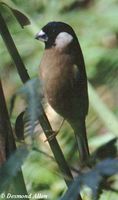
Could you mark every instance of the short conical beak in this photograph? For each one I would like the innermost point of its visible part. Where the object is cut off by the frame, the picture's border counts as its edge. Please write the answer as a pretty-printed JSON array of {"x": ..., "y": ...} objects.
[{"x": 41, "y": 36}]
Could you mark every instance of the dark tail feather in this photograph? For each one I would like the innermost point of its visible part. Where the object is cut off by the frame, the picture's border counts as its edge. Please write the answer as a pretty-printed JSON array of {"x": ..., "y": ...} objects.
[{"x": 81, "y": 137}]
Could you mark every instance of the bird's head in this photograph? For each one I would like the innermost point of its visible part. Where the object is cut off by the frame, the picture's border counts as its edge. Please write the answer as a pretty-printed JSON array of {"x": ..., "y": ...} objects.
[{"x": 56, "y": 34}]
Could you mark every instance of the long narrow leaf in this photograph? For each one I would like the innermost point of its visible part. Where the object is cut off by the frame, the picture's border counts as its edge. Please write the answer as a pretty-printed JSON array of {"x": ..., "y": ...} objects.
[
  {"x": 103, "y": 111},
  {"x": 93, "y": 179},
  {"x": 11, "y": 167},
  {"x": 20, "y": 16}
]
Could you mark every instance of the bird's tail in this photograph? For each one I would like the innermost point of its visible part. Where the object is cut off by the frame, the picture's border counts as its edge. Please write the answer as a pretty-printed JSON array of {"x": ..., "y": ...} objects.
[{"x": 81, "y": 137}]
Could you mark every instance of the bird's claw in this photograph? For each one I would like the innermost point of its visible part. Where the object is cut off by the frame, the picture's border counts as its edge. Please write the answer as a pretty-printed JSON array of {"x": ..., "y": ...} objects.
[{"x": 52, "y": 136}]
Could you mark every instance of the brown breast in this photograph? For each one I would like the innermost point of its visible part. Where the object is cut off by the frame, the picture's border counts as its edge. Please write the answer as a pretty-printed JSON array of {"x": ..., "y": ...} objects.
[{"x": 58, "y": 79}]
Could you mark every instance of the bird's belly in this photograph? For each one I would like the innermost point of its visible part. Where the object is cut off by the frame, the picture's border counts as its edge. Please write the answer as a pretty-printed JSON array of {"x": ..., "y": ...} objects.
[
  {"x": 58, "y": 94},
  {"x": 58, "y": 91},
  {"x": 61, "y": 88}
]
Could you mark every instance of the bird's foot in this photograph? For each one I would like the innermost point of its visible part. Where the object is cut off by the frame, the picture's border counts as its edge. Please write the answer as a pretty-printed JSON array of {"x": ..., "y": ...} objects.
[
  {"x": 54, "y": 133},
  {"x": 52, "y": 136}
]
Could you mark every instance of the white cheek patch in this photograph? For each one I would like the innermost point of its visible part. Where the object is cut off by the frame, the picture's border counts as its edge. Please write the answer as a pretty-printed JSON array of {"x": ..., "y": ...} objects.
[{"x": 63, "y": 39}]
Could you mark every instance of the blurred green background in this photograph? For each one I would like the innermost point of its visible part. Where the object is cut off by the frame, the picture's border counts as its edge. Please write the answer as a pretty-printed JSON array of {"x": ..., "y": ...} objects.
[{"x": 96, "y": 25}]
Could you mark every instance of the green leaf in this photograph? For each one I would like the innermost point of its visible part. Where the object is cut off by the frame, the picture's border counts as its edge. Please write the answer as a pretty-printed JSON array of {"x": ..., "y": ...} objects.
[
  {"x": 20, "y": 16},
  {"x": 103, "y": 111},
  {"x": 108, "y": 167},
  {"x": 73, "y": 191},
  {"x": 107, "y": 150},
  {"x": 12, "y": 166},
  {"x": 95, "y": 178},
  {"x": 30, "y": 92}
]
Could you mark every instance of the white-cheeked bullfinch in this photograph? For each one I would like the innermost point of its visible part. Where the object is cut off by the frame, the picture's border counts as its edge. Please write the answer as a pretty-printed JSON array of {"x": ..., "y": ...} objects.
[{"x": 62, "y": 72}]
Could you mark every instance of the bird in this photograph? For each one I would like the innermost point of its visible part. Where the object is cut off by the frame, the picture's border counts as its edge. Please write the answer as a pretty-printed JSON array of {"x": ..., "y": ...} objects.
[{"x": 63, "y": 75}]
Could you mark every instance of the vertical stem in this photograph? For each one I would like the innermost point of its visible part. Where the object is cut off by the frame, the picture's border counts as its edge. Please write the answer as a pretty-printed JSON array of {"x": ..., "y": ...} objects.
[
  {"x": 5, "y": 126},
  {"x": 59, "y": 157},
  {"x": 8, "y": 144}
]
